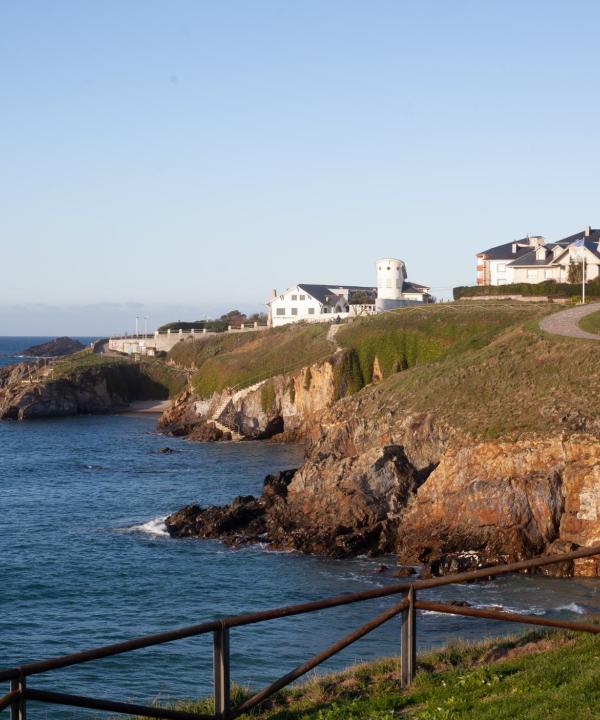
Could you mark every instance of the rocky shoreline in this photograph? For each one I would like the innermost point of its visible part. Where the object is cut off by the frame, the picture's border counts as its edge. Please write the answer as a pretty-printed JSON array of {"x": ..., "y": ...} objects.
[{"x": 378, "y": 480}]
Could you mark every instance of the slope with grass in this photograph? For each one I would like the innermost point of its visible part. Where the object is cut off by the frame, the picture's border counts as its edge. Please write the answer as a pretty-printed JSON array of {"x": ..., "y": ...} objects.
[
  {"x": 236, "y": 361},
  {"x": 536, "y": 676}
]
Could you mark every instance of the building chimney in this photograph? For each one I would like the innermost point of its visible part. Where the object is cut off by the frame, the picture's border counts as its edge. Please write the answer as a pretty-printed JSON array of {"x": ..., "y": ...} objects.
[
  {"x": 274, "y": 294},
  {"x": 586, "y": 231}
]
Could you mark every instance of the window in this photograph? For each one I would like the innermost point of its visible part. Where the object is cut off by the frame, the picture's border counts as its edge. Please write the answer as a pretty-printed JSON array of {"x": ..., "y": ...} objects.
[
  {"x": 280, "y": 311},
  {"x": 294, "y": 297},
  {"x": 294, "y": 311},
  {"x": 532, "y": 274},
  {"x": 501, "y": 267},
  {"x": 501, "y": 281},
  {"x": 311, "y": 311},
  {"x": 388, "y": 283},
  {"x": 302, "y": 297},
  {"x": 324, "y": 310}
]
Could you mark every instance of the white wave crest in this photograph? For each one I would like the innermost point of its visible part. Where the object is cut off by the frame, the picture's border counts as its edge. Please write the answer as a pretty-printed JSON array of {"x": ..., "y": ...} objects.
[
  {"x": 572, "y": 607},
  {"x": 155, "y": 527}
]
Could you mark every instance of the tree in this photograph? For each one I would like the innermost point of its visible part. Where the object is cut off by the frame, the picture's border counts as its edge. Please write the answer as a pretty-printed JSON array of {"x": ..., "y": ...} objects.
[
  {"x": 575, "y": 271},
  {"x": 360, "y": 297}
]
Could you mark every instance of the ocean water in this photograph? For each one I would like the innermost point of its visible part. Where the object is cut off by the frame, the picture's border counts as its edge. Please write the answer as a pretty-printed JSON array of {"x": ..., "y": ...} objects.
[
  {"x": 11, "y": 348},
  {"x": 85, "y": 561}
]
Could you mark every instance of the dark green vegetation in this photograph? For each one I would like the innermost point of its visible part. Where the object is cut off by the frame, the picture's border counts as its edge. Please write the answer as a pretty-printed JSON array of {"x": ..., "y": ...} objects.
[
  {"x": 548, "y": 288},
  {"x": 538, "y": 676},
  {"x": 399, "y": 340},
  {"x": 233, "y": 317},
  {"x": 238, "y": 360},
  {"x": 145, "y": 379},
  {"x": 591, "y": 323}
]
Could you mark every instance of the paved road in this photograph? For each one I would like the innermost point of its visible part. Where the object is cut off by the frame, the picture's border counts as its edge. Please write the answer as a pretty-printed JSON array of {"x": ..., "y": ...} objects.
[{"x": 567, "y": 322}]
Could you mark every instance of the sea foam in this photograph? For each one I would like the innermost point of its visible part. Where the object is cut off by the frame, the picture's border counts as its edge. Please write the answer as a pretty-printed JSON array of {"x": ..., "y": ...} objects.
[{"x": 155, "y": 527}]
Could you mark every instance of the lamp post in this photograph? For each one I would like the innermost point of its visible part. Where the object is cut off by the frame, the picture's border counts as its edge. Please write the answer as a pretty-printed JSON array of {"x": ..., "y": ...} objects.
[{"x": 137, "y": 319}]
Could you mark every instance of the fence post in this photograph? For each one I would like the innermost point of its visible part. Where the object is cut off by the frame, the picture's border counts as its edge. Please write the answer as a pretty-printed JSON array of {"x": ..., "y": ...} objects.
[
  {"x": 408, "y": 641},
  {"x": 17, "y": 709},
  {"x": 221, "y": 671}
]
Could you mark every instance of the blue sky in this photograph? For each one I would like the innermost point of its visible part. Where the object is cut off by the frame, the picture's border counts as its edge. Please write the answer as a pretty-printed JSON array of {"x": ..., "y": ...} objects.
[{"x": 179, "y": 159}]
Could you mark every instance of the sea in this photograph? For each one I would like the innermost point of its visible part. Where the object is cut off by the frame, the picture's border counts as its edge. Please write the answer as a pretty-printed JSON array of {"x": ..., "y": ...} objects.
[{"x": 85, "y": 560}]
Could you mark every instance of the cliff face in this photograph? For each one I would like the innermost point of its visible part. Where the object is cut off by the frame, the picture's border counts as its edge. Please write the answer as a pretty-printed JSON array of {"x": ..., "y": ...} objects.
[
  {"x": 380, "y": 479},
  {"x": 89, "y": 392},
  {"x": 285, "y": 405}
]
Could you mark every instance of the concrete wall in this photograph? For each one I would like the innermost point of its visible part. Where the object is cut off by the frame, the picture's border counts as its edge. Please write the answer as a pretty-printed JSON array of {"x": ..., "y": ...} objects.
[{"x": 164, "y": 341}]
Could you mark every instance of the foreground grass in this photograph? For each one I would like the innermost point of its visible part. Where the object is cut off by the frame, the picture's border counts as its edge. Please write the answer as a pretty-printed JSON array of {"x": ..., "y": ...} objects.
[
  {"x": 591, "y": 323},
  {"x": 537, "y": 676}
]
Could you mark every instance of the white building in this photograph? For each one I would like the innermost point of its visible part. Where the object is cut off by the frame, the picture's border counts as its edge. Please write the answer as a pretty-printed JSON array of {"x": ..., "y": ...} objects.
[
  {"x": 322, "y": 303},
  {"x": 531, "y": 260}
]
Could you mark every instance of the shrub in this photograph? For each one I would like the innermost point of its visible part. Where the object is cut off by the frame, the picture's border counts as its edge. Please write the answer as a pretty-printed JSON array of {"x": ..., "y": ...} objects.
[{"x": 267, "y": 397}]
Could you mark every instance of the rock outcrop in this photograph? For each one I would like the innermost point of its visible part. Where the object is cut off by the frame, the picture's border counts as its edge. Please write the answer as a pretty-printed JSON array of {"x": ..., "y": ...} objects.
[
  {"x": 87, "y": 392},
  {"x": 283, "y": 406},
  {"x": 377, "y": 479},
  {"x": 55, "y": 348}
]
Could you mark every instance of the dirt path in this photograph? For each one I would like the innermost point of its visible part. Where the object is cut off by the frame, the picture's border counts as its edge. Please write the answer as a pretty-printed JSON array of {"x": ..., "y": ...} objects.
[{"x": 567, "y": 322}]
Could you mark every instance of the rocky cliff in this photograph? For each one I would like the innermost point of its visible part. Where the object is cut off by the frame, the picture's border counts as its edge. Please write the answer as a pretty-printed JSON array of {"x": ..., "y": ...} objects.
[
  {"x": 284, "y": 405},
  {"x": 380, "y": 479},
  {"x": 28, "y": 392}
]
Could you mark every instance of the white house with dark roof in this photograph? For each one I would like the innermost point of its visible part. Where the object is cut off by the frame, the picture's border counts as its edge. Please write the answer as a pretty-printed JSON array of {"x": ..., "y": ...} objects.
[
  {"x": 531, "y": 260},
  {"x": 323, "y": 303}
]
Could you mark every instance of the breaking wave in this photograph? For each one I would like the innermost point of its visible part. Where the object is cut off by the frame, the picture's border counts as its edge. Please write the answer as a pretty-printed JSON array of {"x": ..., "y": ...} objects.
[{"x": 155, "y": 527}]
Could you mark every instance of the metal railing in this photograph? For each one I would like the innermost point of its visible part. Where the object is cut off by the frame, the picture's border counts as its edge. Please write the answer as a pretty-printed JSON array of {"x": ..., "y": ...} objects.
[{"x": 20, "y": 692}]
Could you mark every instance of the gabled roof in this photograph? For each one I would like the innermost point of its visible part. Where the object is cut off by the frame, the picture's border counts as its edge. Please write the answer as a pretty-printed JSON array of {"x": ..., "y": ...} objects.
[
  {"x": 594, "y": 237},
  {"x": 414, "y": 287},
  {"x": 530, "y": 260},
  {"x": 505, "y": 252},
  {"x": 320, "y": 292}
]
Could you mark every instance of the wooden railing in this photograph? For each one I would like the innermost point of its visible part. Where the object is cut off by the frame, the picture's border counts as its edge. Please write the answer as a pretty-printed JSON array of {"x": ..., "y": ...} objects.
[{"x": 21, "y": 693}]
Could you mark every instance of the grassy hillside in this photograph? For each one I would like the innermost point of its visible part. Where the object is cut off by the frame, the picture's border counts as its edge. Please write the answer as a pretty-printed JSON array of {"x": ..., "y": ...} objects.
[
  {"x": 138, "y": 380},
  {"x": 415, "y": 336},
  {"x": 537, "y": 676},
  {"x": 241, "y": 359},
  {"x": 522, "y": 381}
]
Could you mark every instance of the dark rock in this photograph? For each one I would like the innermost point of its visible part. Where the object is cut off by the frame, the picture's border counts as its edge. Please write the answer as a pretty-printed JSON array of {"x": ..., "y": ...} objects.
[
  {"x": 403, "y": 572},
  {"x": 382, "y": 569},
  {"x": 208, "y": 432},
  {"x": 166, "y": 451},
  {"x": 459, "y": 603},
  {"x": 55, "y": 348}
]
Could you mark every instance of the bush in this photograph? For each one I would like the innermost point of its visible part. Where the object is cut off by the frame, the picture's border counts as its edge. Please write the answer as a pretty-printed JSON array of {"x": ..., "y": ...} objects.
[
  {"x": 267, "y": 397},
  {"x": 549, "y": 288}
]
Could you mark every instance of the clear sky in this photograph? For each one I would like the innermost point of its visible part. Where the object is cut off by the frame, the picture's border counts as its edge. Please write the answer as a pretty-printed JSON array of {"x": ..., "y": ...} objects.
[{"x": 182, "y": 158}]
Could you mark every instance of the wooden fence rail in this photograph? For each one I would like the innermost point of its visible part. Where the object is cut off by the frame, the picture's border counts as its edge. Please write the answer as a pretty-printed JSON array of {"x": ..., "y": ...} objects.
[{"x": 20, "y": 692}]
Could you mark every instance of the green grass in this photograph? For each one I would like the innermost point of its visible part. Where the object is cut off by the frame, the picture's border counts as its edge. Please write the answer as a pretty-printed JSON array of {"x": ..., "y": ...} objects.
[
  {"x": 239, "y": 360},
  {"x": 591, "y": 323},
  {"x": 415, "y": 336},
  {"x": 537, "y": 676}
]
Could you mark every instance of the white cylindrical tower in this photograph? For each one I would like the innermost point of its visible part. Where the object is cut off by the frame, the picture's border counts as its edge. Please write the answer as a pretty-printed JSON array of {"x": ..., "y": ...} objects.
[{"x": 391, "y": 274}]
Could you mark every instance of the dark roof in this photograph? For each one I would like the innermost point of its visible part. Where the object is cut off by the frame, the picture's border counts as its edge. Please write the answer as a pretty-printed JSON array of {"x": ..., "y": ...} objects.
[
  {"x": 594, "y": 236},
  {"x": 413, "y": 287},
  {"x": 320, "y": 292},
  {"x": 529, "y": 260},
  {"x": 504, "y": 252}
]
